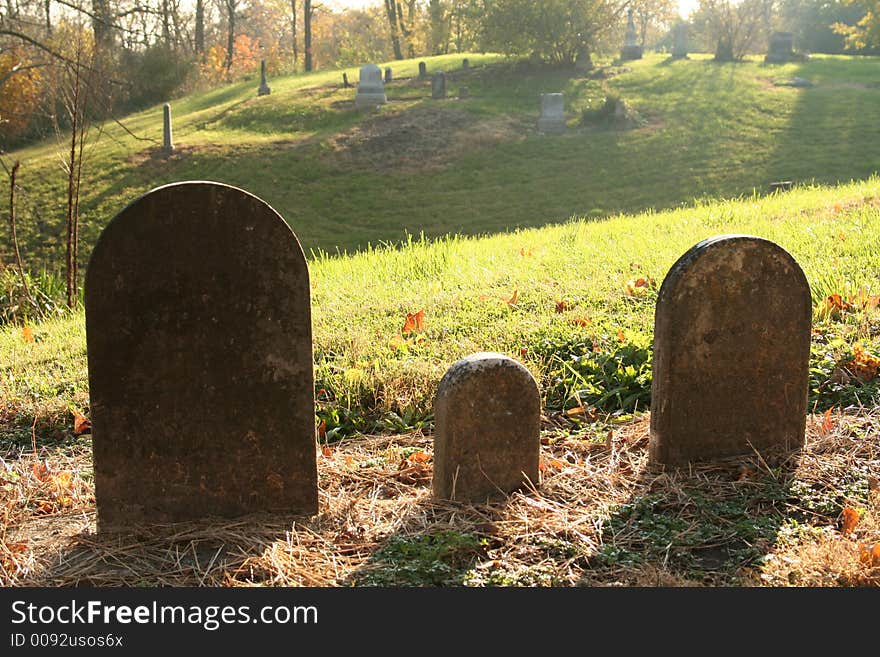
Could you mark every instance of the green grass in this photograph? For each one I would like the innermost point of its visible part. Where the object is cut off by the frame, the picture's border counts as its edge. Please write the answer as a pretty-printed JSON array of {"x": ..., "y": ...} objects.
[
  {"x": 713, "y": 130},
  {"x": 370, "y": 378}
]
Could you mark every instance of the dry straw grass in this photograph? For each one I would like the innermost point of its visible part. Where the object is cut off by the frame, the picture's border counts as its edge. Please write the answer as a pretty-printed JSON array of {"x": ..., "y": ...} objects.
[{"x": 576, "y": 527}]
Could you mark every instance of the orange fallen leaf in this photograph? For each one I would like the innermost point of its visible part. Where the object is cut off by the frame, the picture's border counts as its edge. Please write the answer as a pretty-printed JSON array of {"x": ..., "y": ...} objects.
[
  {"x": 873, "y": 484},
  {"x": 349, "y": 460},
  {"x": 62, "y": 480},
  {"x": 620, "y": 336},
  {"x": 561, "y": 306},
  {"x": 523, "y": 352},
  {"x": 512, "y": 300},
  {"x": 414, "y": 322},
  {"x": 419, "y": 457},
  {"x": 865, "y": 366},
  {"x": 583, "y": 322},
  {"x": 850, "y": 520},
  {"x": 322, "y": 429},
  {"x": 869, "y": 555},
  {"x": 827, "y": 423},
  {"x": 526, "y": 253},
  {"x": 557, "y": 464},
  {"x": 81, "y": 424},
  {"x": 16, "y": 547},
  {"x": 41, "y": 471},
  {"x": 577, "y": 410},
  {"x": 27, "y": 334},
  {"x": 835, "y": 304},
  {"x": 327, "y": 451}
]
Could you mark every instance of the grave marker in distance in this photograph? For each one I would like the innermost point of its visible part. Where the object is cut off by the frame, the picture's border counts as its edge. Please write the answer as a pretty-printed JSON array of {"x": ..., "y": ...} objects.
[
  {"x": 198, "y": 326},
  {"x": 731, "y": 353}
]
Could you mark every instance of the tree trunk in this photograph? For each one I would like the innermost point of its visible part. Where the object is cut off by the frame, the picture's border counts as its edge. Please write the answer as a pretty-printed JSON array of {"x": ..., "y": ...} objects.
[
  {"x": 166, "y": 24},
  {"x": 293, "y": 32},
  {"x": 391, "y": 12},
  {"x": 230, "y": 33},
  {"x": 47, "y": 5},
  {"x": 102, "y": 25},
  {"x": 307, "y": 32},
  {"x": 200, "y": 27}
]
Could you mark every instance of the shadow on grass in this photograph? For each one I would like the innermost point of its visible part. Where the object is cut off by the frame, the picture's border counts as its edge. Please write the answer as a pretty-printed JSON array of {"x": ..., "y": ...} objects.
[{"x": 712, "y": 525}]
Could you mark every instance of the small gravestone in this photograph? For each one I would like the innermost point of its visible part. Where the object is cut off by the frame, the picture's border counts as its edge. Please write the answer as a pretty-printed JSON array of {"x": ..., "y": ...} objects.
[
  {"x": 345, "y": 83},
  {"x": 679, "y": 43},
  {"x": 423, "y": 70},
  {"x": 781, "y": 186},
  {"x": 464, "y": 92},
  {"x": 264, "y": 89},
  {"x": 371, "y": 90},
  {"x": 438, "y": 85},
  {"x": 465, "y": 64},
  {"x": 387, "y": 74},
  {"x": 199, "y": 335},
  {"x": 781, "y": 48},
  {"x": 552, "y": 117},
  {"x": 487, "y": 429},
  {"x": 167, "y": 142},
  {"x": 631, "y": 48},
  {"x": 584, "y": 61},
  {"x": 731, "y": 353}
]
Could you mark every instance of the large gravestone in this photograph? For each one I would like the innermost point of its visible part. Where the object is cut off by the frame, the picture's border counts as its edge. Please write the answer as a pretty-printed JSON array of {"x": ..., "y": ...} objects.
[
  {"x": 552, "y": 118},
  {"x": 631, "y": 48},
  {"x": 679, "y": 41},
  {"x": 438, "y": 85},
  {"x": 371, "y": 89},
  {"x": 731, "y": 353},
  {"x": 264, "y": 89},
  {"x": 199, "y": 335},
  {"x": 487, "y": 428},
  {"x": 780, "y": 49}
]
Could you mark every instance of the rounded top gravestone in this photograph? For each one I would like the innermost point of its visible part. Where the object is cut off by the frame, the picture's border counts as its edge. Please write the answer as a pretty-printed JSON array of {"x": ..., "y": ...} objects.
[
  {"x": 371, "y": 89},
  {"x": 199, "y": 335},
  {"x": 487, "y": 428},
  {"x": 731, "y": 352}
]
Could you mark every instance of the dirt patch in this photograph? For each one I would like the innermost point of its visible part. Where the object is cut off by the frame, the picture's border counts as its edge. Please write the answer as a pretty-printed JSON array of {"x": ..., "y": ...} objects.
[{"x": 428, "y": 136}]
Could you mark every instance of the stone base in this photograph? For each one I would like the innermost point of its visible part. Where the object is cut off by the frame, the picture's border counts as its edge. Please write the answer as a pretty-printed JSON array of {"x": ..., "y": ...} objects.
[
  {"x": 631, "y": 52},
  {"x": 679, "y": 54},
  {"x": 551, "y": 125},
  {"x": 264, "y": 90},
  {"x": 369, "y": 100}
]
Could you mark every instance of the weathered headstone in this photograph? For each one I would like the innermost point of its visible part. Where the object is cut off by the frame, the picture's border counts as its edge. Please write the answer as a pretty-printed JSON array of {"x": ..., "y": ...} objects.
[
  {"x": 781, "y": 48},
  {"x": 465, "y": 64},
  {"x": 679, "y": 41},
  {"x": 264, "y": 89},
  {"x": 552, "y": 117},
  {"x": 387, "y": 74},
  {"x": 438, "y": 85},
  {"x": 631, "y": 48},
  {"x": 199, "y": 334},
  {"x": 487, "y": 428},
  {"x": 371, "y": 90},
  {"x": 167, "y": 141},
  {"x": 731, "y": 353},
  {"x": 423, "y": 70},
  {"x": 345, "y": 83},
  {"x": 464, "y": 92},
  {"x": 584, "y": 61}
]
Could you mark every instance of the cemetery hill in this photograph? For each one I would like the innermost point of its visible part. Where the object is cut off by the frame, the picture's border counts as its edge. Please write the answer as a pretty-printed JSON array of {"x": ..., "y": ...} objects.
[{"x": 475, "y": 319}]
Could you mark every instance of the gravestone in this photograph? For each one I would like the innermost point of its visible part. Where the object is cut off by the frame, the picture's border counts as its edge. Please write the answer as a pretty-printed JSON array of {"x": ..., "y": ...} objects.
[
  {"x": 423, "y": 70},
  {"x": 731, "y": 353},
  {"x": 465, "y": 64},
  {"x": 584, "y": 61},
  {"x": 387, "y": 74},
  {"x": 438, "y": 85},
  {"x": 264, "y": 89},
  {"x": 487, "y": 428},
  {"x": 199, "y": 334},
  {"x": 679, "y": 43},
  {"x": 781, "y": 48},
  {"x": 552, "y": 117},
  {"x": 345, "y": 83},
  {"x": 631, "y": 48},
  {"x": 167, "y": 141},
  {"x": 371, "y": 90}
]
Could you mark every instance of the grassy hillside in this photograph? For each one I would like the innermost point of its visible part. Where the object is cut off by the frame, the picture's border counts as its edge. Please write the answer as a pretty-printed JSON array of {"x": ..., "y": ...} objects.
[
  {"x": 600, "y": 516},
  {"x": 344, "y": 179}
]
